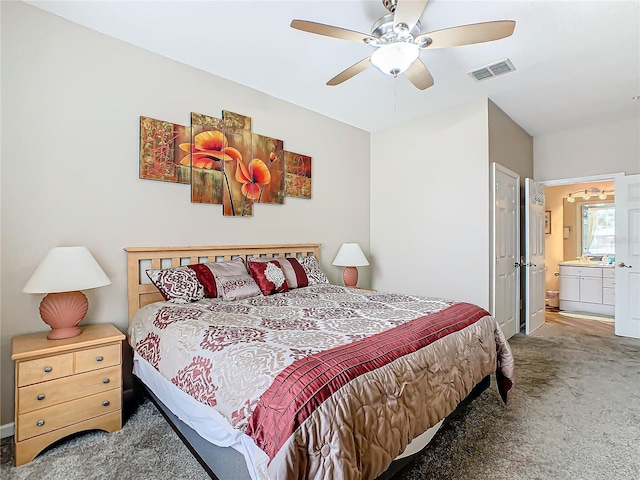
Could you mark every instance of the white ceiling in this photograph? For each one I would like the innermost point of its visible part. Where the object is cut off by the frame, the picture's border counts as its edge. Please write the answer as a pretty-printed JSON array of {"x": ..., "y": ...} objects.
[{"x": 578, "y": 62}]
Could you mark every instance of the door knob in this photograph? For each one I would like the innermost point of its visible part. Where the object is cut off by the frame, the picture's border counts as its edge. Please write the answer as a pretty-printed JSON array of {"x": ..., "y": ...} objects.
[{"x": 621, "y": 264}]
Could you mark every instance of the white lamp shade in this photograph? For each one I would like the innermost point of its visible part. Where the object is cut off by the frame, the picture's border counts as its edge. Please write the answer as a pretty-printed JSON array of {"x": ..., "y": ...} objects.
[
  {"x": 395, "y": 58},
  {"x": 350, "y": 255},
  {"x": 66, "y": 269}
]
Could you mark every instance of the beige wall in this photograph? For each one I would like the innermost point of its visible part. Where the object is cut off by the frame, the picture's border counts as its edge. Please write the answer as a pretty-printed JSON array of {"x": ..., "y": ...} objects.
[
  {"x": 430, "y": 204},
  {"x": 509, "y": 144},
  {"x": 512, "y": 147},
  {"x": 597, "y": 150},
  {"x": 71, "y": 101},
  {"x": 555, "y": 243},
  {"x": 602, "y": 149}
]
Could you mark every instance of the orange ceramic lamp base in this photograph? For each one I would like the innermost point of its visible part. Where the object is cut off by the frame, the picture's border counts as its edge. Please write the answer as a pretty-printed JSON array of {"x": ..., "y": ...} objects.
[
  {"x": 63, "y": 312},
  {"x": 350, "y": 277}
]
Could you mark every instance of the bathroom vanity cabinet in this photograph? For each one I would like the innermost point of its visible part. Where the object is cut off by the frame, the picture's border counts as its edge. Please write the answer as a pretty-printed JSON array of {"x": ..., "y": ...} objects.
[{"x": 587, "y": 288}]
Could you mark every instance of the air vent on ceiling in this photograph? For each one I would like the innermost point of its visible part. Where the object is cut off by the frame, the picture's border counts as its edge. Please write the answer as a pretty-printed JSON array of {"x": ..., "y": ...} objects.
[{"x": 493, "y": 70}]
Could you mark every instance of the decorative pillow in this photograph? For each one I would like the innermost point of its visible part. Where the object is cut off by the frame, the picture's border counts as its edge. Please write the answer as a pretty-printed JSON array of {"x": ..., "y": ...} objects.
[
  {"x": 206, "y": 273},
  {"x": 236, "y": 287},
  {"x": 312, "y": 269},
  {"x": 293, "y": 271},
  {"x": 269, "y": 277},
  {"x": 177, "y": 285},
  {"x": 206, "y": 279},
  {"x": 228, "y": 267}
]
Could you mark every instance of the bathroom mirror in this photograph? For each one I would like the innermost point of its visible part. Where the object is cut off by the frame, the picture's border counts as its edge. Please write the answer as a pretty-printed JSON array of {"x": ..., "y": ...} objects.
[{"x": 590, "y": 228}]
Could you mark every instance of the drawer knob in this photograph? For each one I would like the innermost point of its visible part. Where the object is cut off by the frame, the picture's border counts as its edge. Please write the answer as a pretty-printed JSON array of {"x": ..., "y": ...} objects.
[
  {"x": 40, "y": 423},
  {"x": 99, "y": 358},
  {"x": 40, "y": 397},
  {"x": 106, "y": 380},
  {"x": 48, "y": 369},
  {"x": 106, "y": 403}
]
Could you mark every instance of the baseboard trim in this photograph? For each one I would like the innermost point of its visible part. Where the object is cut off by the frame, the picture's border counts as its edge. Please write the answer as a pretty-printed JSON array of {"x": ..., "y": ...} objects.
[{"x": 7, "y": 430}]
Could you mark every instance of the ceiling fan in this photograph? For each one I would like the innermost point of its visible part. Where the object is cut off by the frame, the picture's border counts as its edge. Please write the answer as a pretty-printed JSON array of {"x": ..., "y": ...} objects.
[{"x": 398, "y": 40}]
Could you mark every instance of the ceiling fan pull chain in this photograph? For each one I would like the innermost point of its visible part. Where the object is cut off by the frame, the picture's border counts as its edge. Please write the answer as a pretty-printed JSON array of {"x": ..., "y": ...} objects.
[{"x": 395, "y": 94}]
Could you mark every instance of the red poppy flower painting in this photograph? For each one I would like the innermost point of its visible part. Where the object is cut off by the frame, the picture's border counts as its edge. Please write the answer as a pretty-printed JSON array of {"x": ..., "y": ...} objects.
[
  {"x": 271, "y": 152},
  {"x": 224, "y": 161},
  {"x": 237, "y": 130}
]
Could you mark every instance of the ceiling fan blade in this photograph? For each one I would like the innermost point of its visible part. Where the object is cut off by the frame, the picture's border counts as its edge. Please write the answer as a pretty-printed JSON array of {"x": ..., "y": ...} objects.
[
  {"x": 352, "y": 71},
  {"x": 408, "y": 12},
  {"x": 330, "y": 31},
  {"x": 419, "y": 75},
  {"x": 468, "y": 34}
]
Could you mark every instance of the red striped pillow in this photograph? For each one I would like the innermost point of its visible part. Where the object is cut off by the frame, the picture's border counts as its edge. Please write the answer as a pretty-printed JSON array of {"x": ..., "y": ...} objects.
[{"x": 206, "y": 278}]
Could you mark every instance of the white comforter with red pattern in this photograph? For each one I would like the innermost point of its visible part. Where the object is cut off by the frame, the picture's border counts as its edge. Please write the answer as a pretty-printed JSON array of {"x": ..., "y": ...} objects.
[
  {"x": 251, "y": 341},
  {"x": 228, "y": 354}
]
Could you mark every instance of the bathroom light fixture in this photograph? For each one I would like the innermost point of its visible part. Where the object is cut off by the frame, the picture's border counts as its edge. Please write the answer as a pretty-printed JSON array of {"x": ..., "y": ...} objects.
[{"x": 586, "y": 194}]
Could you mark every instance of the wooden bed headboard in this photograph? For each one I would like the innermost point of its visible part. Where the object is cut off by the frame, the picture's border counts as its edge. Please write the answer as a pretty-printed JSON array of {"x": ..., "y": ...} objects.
[{"x": 140, "y": 290}]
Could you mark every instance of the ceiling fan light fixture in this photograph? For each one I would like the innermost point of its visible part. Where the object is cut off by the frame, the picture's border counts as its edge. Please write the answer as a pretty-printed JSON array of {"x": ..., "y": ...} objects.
[{"x": 395, "y": 58}]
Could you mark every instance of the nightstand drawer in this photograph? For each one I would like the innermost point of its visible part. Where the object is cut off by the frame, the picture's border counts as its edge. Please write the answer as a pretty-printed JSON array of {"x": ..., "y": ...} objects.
[
  {"x": 48, "y": 419},
  {"x": 99, "y": 357},
  {"x": 47, "y": 394},
  {"x": 43, "y": 369}
]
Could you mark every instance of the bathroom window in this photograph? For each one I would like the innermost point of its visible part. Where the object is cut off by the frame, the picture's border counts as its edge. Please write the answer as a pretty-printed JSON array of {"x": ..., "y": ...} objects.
[{"x": 598, "y": 229}]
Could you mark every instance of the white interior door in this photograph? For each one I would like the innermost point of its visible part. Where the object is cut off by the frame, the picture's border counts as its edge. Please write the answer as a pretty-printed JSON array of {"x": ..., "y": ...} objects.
[
  {"x": 534, "y": 272},
  {"x": 505, "y": 249},
  {"x": 628, "y": 256}
]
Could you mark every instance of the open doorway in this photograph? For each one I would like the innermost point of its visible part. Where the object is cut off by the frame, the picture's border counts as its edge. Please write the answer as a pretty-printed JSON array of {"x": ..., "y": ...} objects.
[{"x": 580, "y": 249}]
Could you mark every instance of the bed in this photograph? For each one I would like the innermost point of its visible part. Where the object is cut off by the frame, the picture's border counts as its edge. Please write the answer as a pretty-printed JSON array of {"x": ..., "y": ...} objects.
[{"x": 318, "y": 381}]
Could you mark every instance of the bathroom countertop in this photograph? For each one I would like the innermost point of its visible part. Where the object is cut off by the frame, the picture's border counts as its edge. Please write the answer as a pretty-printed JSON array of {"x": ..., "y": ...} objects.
[{"x": 580, "y": 263}]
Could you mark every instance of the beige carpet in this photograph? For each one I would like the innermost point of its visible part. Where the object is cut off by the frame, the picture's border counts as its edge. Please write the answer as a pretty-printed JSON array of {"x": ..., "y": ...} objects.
[{"x": 574, "y": 415}]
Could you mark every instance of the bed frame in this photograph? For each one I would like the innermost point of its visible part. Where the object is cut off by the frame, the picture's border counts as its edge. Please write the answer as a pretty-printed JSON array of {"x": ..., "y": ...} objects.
[{"x": 223, "y": 462}]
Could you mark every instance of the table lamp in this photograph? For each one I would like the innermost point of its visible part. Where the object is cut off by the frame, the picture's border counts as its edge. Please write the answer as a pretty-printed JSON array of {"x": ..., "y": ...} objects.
[
  {"x": 350, "y": 256},
  {"x": 63, "y": 272}
]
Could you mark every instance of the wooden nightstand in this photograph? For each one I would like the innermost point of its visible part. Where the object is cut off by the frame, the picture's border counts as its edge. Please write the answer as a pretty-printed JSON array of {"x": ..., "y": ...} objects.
[{"x": 66, "y": 386}]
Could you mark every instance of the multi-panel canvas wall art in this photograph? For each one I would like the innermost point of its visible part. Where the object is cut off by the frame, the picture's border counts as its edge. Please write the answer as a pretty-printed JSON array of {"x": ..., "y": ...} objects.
[
  {"x": 224, "y": 162},
  {"x": 237, "y": 132},
  {"x": 268, "y": 155},
  {"x": 298, "y": 168},
  {"x": 208, "y": 157},
  {"x": 160, "y": 155}
]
